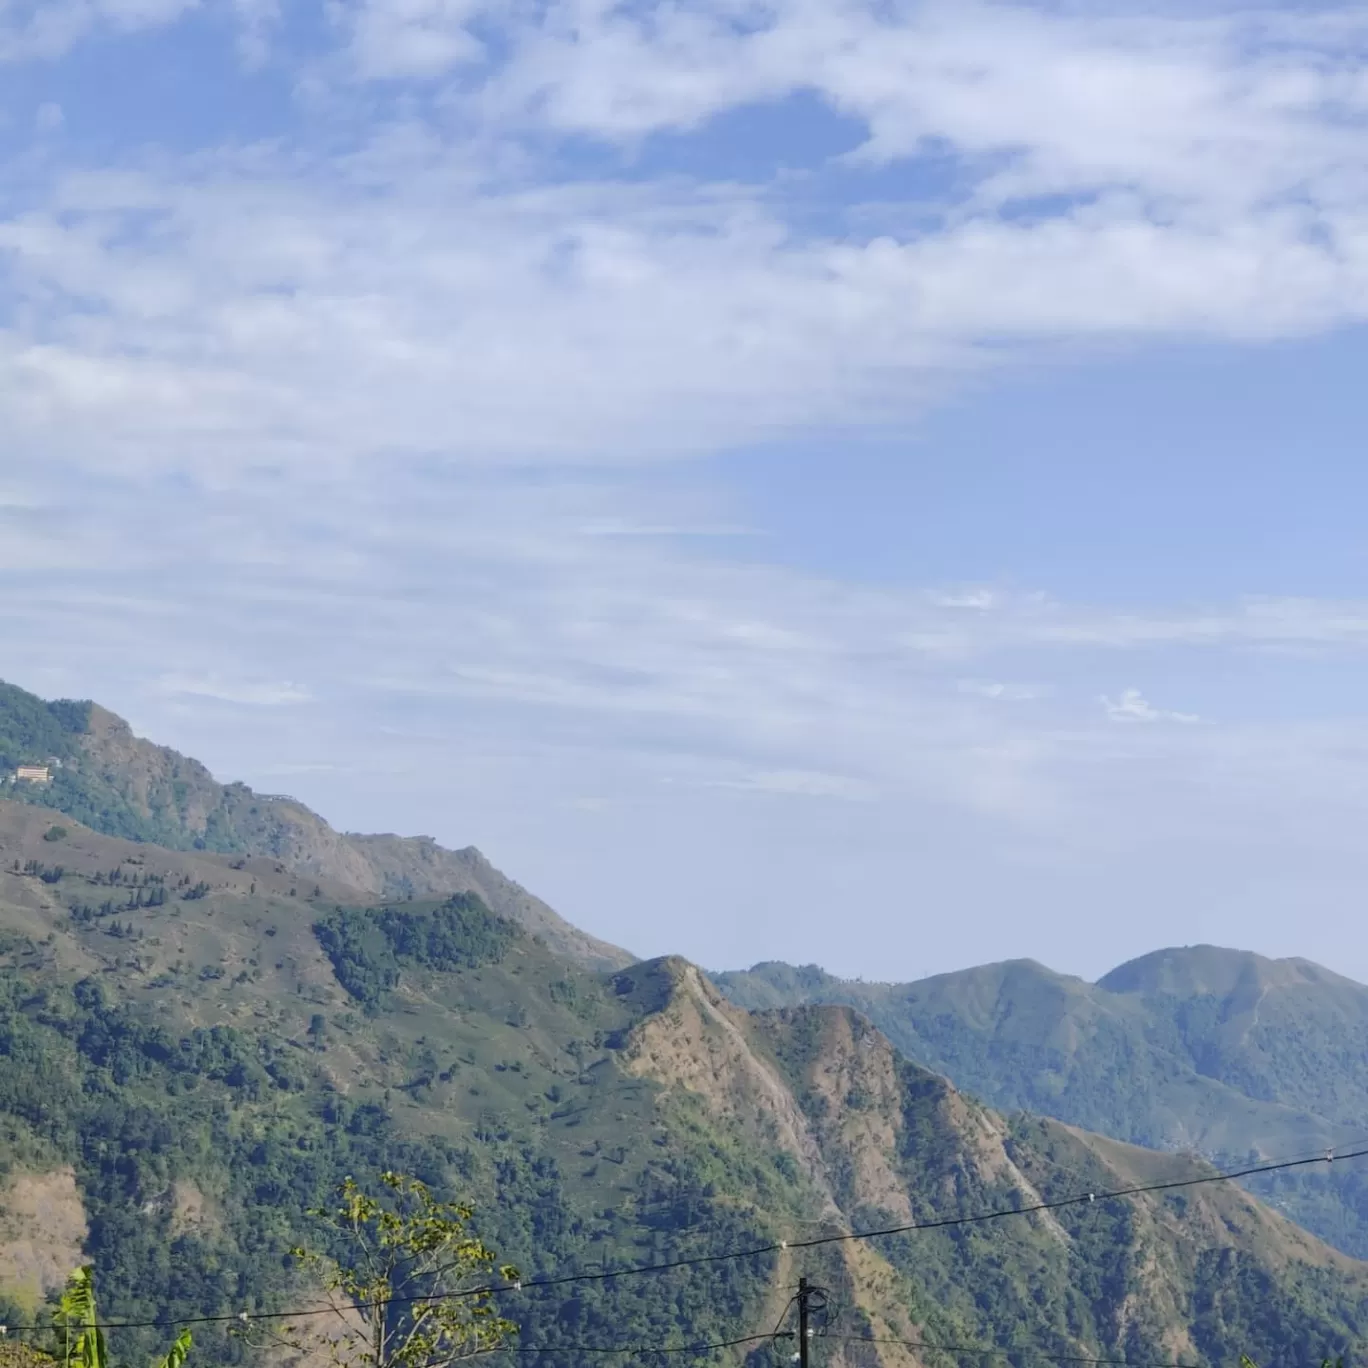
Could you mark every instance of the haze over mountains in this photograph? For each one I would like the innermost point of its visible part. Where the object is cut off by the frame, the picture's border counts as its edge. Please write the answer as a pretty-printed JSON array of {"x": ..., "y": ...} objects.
[{"x": 212, "y": 1006}]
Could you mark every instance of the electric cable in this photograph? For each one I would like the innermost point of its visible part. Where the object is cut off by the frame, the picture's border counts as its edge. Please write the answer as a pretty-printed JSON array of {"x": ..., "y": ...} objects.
[
  {"x": 642, "y": 1349},
  {"x": 777, "y": 1246},
  {"x": 978, "y": 1352},
  {"x": 941, "y": 1224}
]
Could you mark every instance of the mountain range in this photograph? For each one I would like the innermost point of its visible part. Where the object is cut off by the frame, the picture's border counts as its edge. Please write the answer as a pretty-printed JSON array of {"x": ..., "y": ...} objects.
[
  {"x": 1222, "y": 1052},
  {"x": 213, "y": 1007}
]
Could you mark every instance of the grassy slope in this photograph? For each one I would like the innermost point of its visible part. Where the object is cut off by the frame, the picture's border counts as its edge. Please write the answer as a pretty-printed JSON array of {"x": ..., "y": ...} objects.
[
  {"x": 122, "y": 785},
  {"x": 209, "y": 1048}
]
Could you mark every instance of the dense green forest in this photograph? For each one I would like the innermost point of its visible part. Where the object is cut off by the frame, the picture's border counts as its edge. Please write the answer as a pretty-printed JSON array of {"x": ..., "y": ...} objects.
[
  {"x": 367, "y": 949},
  {"x": 32, "y": 730},
  {"x": 175, "y": 804}
]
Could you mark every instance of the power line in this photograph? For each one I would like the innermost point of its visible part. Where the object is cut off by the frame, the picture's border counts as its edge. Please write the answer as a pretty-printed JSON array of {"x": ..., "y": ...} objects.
[
  {"x": 1080, "y": 1199},
  {"x": 640, "y": 1348},
  {"x": 1338, "y": 1144},
  {"x": 944, "y": 1224},
  {"x": 775, "y": 1247},
  {"x": 977, "y": 1351}
]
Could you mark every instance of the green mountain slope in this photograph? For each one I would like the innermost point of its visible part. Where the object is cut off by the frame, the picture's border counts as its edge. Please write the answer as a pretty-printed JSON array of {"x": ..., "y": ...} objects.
[
  {"x": 193, "y": 1047},
  {"x": 1220, "y": 1051},
  {"x": 121, "y": 785}
]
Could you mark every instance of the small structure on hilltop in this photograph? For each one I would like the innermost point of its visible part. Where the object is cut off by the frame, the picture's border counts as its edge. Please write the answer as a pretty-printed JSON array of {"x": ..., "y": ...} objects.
[{"x": 33, "y": 774}]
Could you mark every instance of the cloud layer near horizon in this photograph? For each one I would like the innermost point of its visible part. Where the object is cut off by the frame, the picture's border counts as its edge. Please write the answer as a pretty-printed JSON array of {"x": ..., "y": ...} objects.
[
  {"x": 478, "y": 662},
  {"x": 300, "y": 428}
]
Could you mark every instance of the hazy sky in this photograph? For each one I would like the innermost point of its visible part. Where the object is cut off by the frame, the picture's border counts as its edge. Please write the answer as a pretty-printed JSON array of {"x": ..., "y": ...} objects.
[{"x": 859, "y": 481}]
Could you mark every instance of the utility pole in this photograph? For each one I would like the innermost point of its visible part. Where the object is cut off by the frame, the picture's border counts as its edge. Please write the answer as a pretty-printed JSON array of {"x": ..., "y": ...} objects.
[{"x": 803, "y": 1292}]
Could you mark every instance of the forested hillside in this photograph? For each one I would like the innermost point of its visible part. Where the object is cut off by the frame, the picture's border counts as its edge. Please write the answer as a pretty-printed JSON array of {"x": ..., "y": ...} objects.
[{"x": 196, "y": 1046}]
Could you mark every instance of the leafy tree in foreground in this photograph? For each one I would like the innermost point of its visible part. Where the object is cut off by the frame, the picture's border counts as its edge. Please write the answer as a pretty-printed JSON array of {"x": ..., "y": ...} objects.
[
  {"x": 83, "y": 1341},
  {"x": 405, "y": 1293}
]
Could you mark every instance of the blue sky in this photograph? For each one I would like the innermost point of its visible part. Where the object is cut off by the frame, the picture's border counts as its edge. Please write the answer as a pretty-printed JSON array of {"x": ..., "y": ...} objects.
[{"x": 879, "y": 484}]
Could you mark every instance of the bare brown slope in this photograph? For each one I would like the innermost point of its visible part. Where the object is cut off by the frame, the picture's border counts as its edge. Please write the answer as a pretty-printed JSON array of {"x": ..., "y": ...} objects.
[
  {"x": 42, "y": 1233},
  {"x": 53, "y": 839},
  {"x": 881, "y": 1142},
  {"x": 186, "y": 799}
]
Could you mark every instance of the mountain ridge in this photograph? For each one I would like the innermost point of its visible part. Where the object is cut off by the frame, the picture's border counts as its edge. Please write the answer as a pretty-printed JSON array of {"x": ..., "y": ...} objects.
[
  {"x": 200, "y": 1037},
  {"x": 1190, "y": 970},
  {"x": 125, "y": 786},
  {"x": 1226, "y": 1052},
  {"x": 274, "y": 1040}
]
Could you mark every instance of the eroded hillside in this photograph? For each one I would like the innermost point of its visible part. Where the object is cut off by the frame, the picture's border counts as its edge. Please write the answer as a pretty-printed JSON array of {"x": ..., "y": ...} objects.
[
  {"x": 882, "y": 1142},
  {"x": 1236, "y": 1056}
]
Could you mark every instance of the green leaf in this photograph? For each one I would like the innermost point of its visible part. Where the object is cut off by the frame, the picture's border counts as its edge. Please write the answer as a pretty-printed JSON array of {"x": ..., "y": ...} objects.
[{"x": 178, "y": 1352}]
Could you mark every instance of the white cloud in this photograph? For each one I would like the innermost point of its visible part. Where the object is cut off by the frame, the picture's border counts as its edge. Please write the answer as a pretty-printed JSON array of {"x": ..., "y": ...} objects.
[
  {"x": 420, "y": 292},
  {"x": 997, "y": 689},
  {"x": 620, "y": 527},
  {"x": 1194, "y": 109},
  {"x": 251, "y": 693},
  {"x": 437, "y": 606},
  {"x": 311, "y": 321},
  {"x": 258, "y": 21},
  {"x": 982, "y": 599},
  {"x": 394, "y": 39},
  {"x": 801, "y": 784},
  {"x": 45, "y": 29},
  {"x": 1132, "y": 706}
]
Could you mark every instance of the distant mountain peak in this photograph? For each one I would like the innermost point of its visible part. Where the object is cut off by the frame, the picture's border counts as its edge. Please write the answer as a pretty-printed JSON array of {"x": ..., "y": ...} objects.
[{"x": 1210, "y": 970}]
